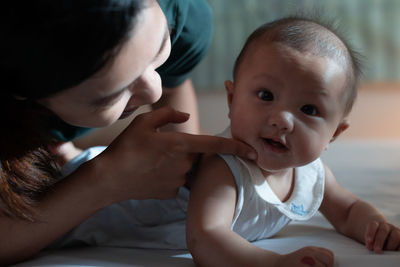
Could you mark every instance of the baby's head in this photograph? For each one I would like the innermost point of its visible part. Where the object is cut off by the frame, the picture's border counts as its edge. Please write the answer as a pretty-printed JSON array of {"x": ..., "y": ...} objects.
[{"x": 295, "y": 81}]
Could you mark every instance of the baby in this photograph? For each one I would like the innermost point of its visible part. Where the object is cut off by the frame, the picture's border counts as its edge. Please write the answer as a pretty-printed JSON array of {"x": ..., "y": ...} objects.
[{"x": 294, "y": 85}]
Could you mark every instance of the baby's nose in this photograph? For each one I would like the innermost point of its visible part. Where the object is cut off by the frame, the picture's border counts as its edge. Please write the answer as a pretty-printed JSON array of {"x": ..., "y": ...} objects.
[{"x": 282, "y": 120}]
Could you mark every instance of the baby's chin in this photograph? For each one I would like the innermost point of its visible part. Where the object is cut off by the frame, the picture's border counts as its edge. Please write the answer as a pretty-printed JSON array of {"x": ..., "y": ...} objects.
[{"x": 268, "y": 168}]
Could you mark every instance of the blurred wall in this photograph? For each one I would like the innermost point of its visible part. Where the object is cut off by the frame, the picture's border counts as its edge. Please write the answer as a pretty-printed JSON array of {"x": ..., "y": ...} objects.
[{"x": 372, "y": 26}]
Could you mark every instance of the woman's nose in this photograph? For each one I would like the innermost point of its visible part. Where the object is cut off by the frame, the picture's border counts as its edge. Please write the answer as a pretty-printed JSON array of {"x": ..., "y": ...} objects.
[{"x": 147, "y": 88}]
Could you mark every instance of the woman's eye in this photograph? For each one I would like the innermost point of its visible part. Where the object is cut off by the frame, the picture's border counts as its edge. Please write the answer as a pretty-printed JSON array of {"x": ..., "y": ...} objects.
[
  {"x": 309, "y": 110},
  {"x": 109, "y": 100},
  {"x": 265, "y": 95}
]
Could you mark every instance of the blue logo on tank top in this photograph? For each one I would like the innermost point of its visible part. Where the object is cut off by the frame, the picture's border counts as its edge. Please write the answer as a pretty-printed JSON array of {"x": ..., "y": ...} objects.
[{"x": 298, "y": 209}]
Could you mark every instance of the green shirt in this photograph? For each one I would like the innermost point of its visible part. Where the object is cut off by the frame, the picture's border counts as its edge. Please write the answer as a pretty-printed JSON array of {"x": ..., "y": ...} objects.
[{"x": 190, "y": 23}]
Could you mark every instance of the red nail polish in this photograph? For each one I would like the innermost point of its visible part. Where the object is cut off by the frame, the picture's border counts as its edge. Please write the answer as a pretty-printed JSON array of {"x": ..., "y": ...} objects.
[{"x": 308, "y": 260}]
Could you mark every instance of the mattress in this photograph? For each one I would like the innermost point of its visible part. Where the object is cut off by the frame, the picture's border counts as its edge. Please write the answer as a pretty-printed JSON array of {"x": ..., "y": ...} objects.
[{"x": 368, "y": 168}]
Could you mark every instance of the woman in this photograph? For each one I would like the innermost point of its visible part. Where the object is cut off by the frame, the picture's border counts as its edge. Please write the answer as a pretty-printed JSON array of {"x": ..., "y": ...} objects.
[{"x": 87, "y": 64}]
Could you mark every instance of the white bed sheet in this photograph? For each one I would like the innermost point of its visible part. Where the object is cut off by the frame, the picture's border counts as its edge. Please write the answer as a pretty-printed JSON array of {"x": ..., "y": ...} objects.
[{"x": 370, "y": 169}]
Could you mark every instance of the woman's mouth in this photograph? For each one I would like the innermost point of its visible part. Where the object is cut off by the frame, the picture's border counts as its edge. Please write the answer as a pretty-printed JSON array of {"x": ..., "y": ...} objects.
[{"x": 127, "y": 112}]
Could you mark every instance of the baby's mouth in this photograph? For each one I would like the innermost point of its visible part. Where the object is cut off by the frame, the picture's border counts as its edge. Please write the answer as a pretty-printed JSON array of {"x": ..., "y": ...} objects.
[{"x": 275, "y": 145}]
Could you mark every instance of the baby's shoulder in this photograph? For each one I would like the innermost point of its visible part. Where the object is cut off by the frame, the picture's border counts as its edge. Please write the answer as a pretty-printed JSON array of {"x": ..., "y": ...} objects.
[
  {"x": 211, "y": 166},
  {"x": 214, "y": 162}
]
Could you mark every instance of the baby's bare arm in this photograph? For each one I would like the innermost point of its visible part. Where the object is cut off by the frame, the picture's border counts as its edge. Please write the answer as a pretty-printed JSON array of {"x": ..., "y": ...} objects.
[
  {"x": 209, "y": 236},
  {"x": 356, "y": 218},
  {"x": 210, "y": 213}
]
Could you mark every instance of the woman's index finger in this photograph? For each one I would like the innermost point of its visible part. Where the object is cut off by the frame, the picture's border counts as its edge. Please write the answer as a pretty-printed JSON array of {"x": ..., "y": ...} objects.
[
  {"x": 220, "y": 145},
  {"x": 162, "y": 116}
]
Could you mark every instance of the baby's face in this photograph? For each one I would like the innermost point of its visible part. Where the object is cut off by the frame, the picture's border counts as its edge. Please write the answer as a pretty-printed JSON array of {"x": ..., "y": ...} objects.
[{"x": 286, "y": 104}]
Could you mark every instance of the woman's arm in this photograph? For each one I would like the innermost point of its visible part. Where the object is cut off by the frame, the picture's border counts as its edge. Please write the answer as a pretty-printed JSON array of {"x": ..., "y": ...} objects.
[
  {"x": 356, "y": 218},
  {"x": 141, "y": 163},
  {"x": 69, "y": 203}
]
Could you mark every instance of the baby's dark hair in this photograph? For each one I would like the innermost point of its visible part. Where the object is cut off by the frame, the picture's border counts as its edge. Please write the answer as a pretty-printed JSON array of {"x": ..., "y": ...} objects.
[{"x": 311, "y": 35}]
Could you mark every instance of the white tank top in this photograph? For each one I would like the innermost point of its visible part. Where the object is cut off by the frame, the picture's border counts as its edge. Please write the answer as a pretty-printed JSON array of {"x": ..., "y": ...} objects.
[{"x": 259, "y": 212}]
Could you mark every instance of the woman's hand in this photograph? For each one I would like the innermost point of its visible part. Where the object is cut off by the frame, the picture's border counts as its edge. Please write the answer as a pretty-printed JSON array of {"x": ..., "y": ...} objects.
[{"x": 145, "y": 163}]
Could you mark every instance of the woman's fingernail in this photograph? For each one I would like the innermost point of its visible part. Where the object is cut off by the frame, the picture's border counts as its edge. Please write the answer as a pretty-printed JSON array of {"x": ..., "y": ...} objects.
[{"x": 185, "y": 113}]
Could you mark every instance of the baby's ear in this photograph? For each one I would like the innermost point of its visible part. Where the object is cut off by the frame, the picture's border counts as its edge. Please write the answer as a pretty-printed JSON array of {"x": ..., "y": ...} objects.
[
  {"x": 343, "y": 126},
  {"x": 229, "y": 94},
  {"x": 229, "y": 91}
]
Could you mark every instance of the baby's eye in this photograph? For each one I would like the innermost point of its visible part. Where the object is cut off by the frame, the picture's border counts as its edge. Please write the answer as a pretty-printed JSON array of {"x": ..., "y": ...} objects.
[
  {"x": 265, "y": 95},
  {"x": 309, "y": 110}
]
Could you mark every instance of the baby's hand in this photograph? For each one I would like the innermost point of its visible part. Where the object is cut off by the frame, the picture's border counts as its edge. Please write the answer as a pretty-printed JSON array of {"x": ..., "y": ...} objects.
[
  {"x": 307, "y": 256},
  {"x": 381, "y": 236}
]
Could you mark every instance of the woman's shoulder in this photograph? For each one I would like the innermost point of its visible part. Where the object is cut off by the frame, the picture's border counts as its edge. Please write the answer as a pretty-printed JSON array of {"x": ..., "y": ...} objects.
[{"x": 190, "y": 23}]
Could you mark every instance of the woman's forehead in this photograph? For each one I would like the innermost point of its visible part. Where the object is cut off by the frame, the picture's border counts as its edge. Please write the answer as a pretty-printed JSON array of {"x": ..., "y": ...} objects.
[{"x": 135, "y": 54}]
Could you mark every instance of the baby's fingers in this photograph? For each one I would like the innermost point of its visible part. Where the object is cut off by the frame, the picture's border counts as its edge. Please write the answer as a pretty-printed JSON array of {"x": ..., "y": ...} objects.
[
  {"x": 393, "y": 242},
  {"x": 312, "y": 256},
  {"x": 370, "y": 233},
  {"x": 326, "y": 258},
  {"x": 381, "y": 237}
]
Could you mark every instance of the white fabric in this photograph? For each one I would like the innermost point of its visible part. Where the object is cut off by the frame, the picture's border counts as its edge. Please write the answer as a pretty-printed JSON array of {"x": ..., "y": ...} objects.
[
  {"x": 160, "y": 224},
  {"x": 151, "y": 223},
  {"x": 259, "y": 212},
  {"x": 368, "y": 168}
]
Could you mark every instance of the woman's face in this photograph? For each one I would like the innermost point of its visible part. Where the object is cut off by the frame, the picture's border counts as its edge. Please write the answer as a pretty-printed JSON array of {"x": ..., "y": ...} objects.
[{"x": 123, "y": 85}]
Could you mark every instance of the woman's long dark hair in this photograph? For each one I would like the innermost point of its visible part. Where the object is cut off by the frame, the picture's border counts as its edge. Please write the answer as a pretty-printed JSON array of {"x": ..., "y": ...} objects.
[{"x": 47, "y": 46}]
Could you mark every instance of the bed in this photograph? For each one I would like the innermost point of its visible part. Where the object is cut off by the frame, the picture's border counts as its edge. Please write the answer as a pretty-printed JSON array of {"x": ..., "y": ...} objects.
[{"x": 368, "y": 168}]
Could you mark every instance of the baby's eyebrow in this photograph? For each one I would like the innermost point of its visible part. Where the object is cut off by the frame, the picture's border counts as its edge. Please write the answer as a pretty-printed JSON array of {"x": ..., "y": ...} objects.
[{"x": 317, "y": 91}]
